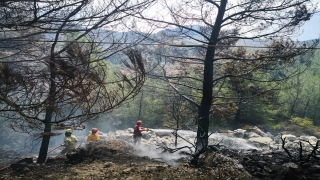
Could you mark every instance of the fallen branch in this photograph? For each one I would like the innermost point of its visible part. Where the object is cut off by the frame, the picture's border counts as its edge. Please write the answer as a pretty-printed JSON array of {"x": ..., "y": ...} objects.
[
  {"x": 313, "y": 152},
  {"x": 285, "y": 149}
]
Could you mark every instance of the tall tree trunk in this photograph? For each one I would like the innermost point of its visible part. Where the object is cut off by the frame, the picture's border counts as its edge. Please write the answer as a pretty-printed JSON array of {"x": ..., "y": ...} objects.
[
  {"x": 177, "y": 128},
  {"x": 315, "y": 111},
  {"x": 203, "y": 116},
  {"x": 296, "y": 97},
  {"x": 47, "y": 130},
  {"x": 308, "y": 102},
  {"x": 238, "y": 113}
]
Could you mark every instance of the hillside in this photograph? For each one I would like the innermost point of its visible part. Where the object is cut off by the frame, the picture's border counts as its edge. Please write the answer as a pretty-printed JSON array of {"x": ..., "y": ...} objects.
[
  {"x": 118, "y": 160},
  {"x": 114, "y": 160}
]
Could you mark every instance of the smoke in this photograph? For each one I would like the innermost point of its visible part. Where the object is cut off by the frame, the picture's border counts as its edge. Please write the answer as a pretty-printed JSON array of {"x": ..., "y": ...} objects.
[{"x": 153, "y": 152}]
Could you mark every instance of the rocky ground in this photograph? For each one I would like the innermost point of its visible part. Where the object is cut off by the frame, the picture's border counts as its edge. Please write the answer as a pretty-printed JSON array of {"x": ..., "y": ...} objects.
[{"x": 117, "y": 159}]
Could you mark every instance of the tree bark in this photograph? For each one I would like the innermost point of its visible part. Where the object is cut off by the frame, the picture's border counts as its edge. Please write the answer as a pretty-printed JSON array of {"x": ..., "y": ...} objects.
[
  {"x": 308, "y": 102},
  {"x": 203, "y": 117},
  {"x": 47, "y": 130},
  {"x": 295, "y": 98}
]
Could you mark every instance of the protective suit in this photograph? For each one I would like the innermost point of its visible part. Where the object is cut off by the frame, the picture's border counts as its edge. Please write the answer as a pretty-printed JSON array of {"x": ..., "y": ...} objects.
[
  {"x": 93, "y": 137},
  {"x": 70, "y": 142}
]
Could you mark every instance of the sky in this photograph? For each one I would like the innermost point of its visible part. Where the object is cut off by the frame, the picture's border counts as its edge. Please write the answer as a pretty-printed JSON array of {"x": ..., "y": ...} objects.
[{"x": 311, "y": 29}]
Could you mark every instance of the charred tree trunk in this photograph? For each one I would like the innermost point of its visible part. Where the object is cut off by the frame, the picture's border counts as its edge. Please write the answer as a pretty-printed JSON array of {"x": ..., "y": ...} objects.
[
  {"x": 47, "y": 130},
  {"x": 176, "y": 136},
  {"x": 203, "y": 116}
]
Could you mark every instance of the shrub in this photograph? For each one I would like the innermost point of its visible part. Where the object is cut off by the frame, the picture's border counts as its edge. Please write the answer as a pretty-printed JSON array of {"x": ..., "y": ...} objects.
[{"x": 303, "y": 122}]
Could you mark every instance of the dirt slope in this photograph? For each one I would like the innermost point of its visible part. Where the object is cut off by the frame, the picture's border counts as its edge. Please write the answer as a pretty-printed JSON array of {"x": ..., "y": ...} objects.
[{"x": 115, "y": 159}]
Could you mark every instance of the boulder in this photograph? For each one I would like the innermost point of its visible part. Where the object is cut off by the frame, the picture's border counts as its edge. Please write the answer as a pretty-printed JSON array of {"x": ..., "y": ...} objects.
[
  {"x": 249, "y": 135},
  {"x": 308, "y": 138},
  {"x": 121, "y": 132},
  {"x": 262, "y": 141},
  {"x": 130, "y": 130},
  {"x": 289, "y": 137},
  {"x": 163, "y": 133},
  {"x": 239, "y": 133},
  {"x": 268, "y": 134},
  {"x": 289, "y": 144},
  {"x": 258, "y": 131}
]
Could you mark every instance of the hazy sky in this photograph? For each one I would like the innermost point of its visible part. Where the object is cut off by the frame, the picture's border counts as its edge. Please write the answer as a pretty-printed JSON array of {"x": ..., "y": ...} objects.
[{"x": 311, "y": 29}]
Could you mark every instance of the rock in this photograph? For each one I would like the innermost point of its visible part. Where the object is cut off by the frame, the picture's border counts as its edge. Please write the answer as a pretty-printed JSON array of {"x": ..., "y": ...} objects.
[
  {"x": 277, "y": 139},
  {"x": 127, "y": 171},
  {"x": 28, "y": 160},
  {"x": 258, "y": 131},
  {"x": 74, "y": 155},
  {"x": 26, "y": 170},
  {"x": 289, "y": 137},
  {"x": 130, "y": 130},
  {"x": 315, "y": 169},
  {"x": 239, "y": 133},
  {"x": 262, "y": 141},
  {"x": 290, "y": 165},
  {"x": 291, "y": 145},
  {"x": 268, "y": 134},
  {"x": 162, "y": 133},
  {"x": 312, "y": 139},
  {"x": 161, "y": 167},
  {"x": 151, "y": 168},
  {"x": 120, "y": 133},
  {"x": 147, "y": 136},
  {"x": 108, "y": 164},
  {"x": 249, "y": 135}
]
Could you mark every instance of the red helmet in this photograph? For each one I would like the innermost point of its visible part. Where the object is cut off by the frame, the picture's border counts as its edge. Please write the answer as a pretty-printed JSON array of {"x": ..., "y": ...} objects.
[
  {"x": 139, "y": 122},
  {"x": 94, "y": 130}
]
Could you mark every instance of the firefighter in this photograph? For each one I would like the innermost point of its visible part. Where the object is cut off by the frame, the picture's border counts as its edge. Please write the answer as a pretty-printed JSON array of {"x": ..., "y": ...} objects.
[
  {"x": 93, "y": 136},
  {"x": 70, "y": 142},
  {"x": 137, "y": 132}
]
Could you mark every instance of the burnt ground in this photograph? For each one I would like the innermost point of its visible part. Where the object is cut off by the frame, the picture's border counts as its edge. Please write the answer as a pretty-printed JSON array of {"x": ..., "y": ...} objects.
[{"x": 116, "y": 159}]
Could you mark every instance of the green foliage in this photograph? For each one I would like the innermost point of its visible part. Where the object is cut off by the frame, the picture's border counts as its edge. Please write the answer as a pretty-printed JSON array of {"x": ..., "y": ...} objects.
[
  {"x": 300, "y": 96},
  {"x": 303, "y": 122},
  {"x": 276, "y": 127},
  {"x": 270, "y": 104}
]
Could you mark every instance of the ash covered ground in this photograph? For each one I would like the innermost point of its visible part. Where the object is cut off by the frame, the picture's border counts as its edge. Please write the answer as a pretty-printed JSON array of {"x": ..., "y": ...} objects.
[{"x": 117, "y": 159}]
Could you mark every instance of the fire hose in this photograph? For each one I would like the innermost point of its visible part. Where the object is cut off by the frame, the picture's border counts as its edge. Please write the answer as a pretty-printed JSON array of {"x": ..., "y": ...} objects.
[
  {"x": 6, "y": 167},
  {"x": 54, "y": 148}
]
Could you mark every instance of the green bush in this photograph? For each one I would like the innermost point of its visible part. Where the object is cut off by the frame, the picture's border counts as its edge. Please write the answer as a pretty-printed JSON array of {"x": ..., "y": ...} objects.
[
  {"x": 277, "y": 127},
  {"x": 303, "y": 122}
]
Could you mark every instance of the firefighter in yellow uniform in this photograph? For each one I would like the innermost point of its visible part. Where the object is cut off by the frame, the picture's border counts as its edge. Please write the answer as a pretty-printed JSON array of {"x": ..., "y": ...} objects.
[
  {"x": 93, "y": 136},
  {"x": 70, "y": 142}
]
